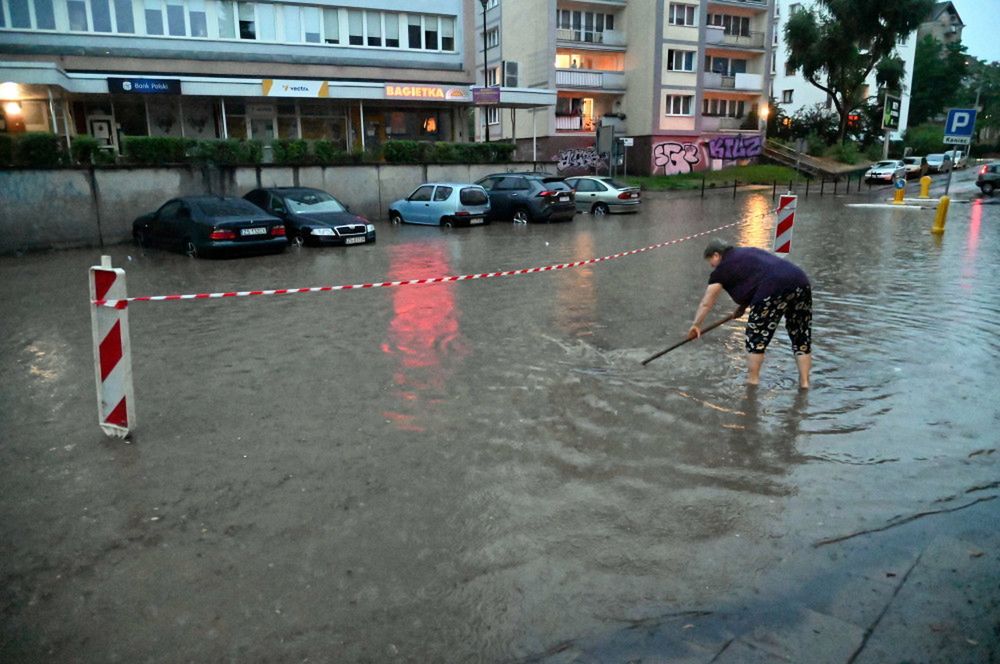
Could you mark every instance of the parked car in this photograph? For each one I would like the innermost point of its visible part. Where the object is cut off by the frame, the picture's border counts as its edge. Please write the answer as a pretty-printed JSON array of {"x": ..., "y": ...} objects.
[
  {"x": 443, "y": 204},
  {"x": 313, "y": 216},
  {"x": 958, "y": 158},
  {"x": 202, "y": 225},
  {"x": 938, "y": 163},
  {"x": 988, "y": 178},
  {"x": 916, "y": 167},
  {"x": 526, "y": 197},
  {"x": 601, "y": 195},
  {"x": 887, "y": 170}
]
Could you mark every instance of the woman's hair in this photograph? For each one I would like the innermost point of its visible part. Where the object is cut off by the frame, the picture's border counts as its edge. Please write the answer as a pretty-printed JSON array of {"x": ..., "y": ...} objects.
[{"x": 717, "y": 246}]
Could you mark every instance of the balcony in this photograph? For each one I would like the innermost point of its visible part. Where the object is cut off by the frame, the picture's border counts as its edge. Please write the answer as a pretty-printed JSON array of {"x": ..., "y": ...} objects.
[
  {"x": 583, "y": 79},
  {"x": 575, "y": 123},
  {"x": 717, "y": 123},
  {"x": 607, "y": 38},
  {"x": 758, "y": 5},
  {"x": 751, "y": 40},
  {"x": 747, "y": 82}
]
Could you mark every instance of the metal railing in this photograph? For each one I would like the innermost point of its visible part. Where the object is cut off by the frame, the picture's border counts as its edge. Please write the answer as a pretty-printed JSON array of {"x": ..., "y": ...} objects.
[
  {"x": 605, "y": 37},
  {"x": 746, "y": 40}
]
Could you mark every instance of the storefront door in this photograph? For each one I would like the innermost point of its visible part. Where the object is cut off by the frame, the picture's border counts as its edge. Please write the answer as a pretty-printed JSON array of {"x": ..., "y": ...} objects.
[{"x": 262, "y": 129}]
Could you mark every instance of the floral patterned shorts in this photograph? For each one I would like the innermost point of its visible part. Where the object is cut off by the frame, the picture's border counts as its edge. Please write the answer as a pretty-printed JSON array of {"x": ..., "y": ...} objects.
[{"x": 796, "y": 306}]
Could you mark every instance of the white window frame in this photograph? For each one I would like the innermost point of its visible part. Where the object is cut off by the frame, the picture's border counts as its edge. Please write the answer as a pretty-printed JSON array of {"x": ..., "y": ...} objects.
[
  {"x": 680, "y": 98},
  {"x": 676, "y": 8},
  {"x": 684, "y": 58},
  {"x": 786, "y": 96}
]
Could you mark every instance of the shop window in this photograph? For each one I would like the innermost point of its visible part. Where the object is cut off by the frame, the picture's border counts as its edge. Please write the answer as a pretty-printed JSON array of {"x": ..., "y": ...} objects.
[
  {"x": 431, "y": 33},
  {"x": 355, "y": 27},
  {"x": 331, "y": 26},
  {"x": 124, "y": 18},
  {"x": 373, "y": 22},
  {"x": 197, "y": 18},
  {"x": 130, "y": 114},
  {"x": 225, "y": 15},
  {"x": 429, "y": 127},
  {"x": 392, "y": 30},
  {"x": 20, "y": 16},
  {"x": 248, "y": 21},
  {"x": 293, "y": 23},
  {"x": 175, "y": 18},
  {"x": 77, "y": 11},
  {"x": 447, "y": 33},
  {"x": 413, "y": 31},
  {"x": 311, "y": 24}
]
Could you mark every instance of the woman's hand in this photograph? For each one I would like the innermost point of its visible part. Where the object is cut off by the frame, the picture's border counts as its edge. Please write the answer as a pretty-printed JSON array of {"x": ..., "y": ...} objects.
[{"x": 694, "y": 332}]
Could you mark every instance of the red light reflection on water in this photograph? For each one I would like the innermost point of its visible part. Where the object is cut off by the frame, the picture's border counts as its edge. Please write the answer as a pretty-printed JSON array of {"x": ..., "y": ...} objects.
[
  {"x": 972, "y": 246},
  {"x": 423, "y": 334}
]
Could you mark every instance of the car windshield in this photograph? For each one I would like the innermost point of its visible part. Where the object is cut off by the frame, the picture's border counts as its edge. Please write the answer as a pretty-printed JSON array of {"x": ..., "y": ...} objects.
[
  {"x": 912, "y": 160},
  {"x": 227, "y": 207},
  {"x": 312, "y": 201},
  {"x": 614, "y": 183},
  {"x": 935, "y": 157}
]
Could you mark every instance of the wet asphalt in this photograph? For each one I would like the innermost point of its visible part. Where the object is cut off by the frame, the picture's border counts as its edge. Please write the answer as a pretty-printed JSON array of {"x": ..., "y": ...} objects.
[{"x": 482, "y": 470}]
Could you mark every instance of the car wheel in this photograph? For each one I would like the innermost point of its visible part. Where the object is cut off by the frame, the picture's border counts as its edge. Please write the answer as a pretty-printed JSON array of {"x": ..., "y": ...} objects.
[
  {"x": 521, "y": 216},
  {"x": 298, "y": 240},
  {"x": 395, "y": 217},
  {"x": 446, "y": 222},
  {"x": 988, "y": 188},
  {"x": 601, "y": 209},
  {"x": 190, "y": 248}
]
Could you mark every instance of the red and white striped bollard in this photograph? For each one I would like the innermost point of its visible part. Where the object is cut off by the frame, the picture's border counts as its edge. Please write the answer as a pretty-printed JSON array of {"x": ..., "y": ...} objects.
[
  {"x": 112, "y": 350},
  {"x": 786, "y": 220}
]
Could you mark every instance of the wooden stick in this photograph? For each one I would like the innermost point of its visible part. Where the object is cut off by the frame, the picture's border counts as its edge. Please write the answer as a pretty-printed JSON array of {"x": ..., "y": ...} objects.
[{"x": 711, "y": 327}]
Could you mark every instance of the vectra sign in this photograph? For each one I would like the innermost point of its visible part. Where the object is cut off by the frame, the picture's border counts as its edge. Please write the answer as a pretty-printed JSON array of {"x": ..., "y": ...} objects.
[{"x": 433, "y": 92}]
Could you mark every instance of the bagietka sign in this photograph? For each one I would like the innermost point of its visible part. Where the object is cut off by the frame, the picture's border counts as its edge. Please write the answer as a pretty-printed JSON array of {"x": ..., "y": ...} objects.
[{"x": 428, "y": 92}]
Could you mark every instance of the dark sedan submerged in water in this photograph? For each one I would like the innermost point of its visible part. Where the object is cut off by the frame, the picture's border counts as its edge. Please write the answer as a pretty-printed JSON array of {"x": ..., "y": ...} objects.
[
  {"x": 313, "y": 216},
  {"x": 204, "y": 225}
]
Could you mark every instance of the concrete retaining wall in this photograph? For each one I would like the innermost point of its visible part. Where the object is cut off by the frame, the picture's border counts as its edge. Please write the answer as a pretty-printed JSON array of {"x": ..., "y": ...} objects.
[{"x": 54, "y": 209}]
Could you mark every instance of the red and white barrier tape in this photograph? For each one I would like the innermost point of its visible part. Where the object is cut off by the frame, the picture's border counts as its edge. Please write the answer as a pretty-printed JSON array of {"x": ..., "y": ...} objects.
[{"x": 122, "y": 303}]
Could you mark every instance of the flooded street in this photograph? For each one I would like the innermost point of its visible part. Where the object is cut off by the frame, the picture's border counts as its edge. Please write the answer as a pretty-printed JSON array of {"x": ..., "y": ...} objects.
[{"x": 481, "y": 470}]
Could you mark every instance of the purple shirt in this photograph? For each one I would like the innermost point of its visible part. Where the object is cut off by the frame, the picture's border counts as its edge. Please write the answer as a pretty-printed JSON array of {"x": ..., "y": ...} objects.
[{"x": 749, "y": 275}]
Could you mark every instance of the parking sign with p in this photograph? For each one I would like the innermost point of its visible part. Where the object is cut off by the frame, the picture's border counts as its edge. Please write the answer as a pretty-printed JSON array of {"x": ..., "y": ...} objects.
[{"x": 959, "y": 126}]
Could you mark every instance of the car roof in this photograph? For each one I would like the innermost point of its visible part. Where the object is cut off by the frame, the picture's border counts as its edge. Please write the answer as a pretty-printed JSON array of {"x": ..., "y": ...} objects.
[
  {"x": 288, "y": 189},
  {"x": 452, "y": 184},
  {"x": 198, "y": 199},
  {"x": 537, "y": 174}
]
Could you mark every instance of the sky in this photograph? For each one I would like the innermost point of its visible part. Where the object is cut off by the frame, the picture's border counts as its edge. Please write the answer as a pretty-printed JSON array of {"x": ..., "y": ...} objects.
[{"x": 981, "y": 18}]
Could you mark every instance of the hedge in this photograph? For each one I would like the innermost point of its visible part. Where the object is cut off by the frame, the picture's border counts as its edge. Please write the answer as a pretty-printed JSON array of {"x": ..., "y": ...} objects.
[
  {"x": 6, "y": 150},
  {"x": 156, "y": 150},
  {"x": 87, "y": 150},
  {"x": 294, "y": 151},
  {"x": 422, "y": 152},
  {"x": 38, "y": 150},
  {"x": 227, "y": 152}
]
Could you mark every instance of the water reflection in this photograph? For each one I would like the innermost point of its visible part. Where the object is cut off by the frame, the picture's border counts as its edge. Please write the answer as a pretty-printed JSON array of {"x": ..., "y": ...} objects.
[
  {"x": 423, "y": 334},
  {"x": 757, "y": 233},
  {"x": 576, "y": 299}
]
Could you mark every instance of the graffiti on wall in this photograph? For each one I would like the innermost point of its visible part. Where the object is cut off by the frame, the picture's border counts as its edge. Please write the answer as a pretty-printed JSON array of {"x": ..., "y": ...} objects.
[
  {"x": 675, "y": 158},
  {"x": 735, "y": 147},
  {"x": 579, "y": 160}
]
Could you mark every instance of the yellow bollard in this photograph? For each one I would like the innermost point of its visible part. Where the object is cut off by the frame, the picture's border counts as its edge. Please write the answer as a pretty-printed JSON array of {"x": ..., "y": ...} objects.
[
  {"x": 941, "y": 216},
  {"x": 897, "y": 198},
  {"x": 925, "y": 187}
]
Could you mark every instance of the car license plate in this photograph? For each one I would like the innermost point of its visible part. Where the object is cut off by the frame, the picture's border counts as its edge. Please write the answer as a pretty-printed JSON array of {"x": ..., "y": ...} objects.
[
  {"x": 257, "y": 230},
  {"x": 354, "y": 240},
  {"x": 476, "y": 220},
  {"x": 564, "y": 199}
]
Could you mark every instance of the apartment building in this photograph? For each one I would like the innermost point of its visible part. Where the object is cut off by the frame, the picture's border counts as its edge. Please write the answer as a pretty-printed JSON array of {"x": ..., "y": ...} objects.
[
  {"x": 792, "y": 92},
  {"x": 357, "y": 71},
  {"x": 686, "y": 80}
]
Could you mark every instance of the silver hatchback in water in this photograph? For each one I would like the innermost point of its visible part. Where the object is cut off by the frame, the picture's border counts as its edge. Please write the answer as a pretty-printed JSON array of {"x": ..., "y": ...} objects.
[{"x": 603, "y": 195}]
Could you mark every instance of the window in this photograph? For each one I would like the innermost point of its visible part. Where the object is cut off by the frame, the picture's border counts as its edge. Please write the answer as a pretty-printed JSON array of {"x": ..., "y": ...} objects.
[
  {"x": 77, "y": 10},
  {"x": 680, "y": 60},
  {"x": 510, "y": 74},
  {"x": 734, "y": 25},
  {"x": 392, "y": 30},
  {"x": 470, "y": 196},
  {"x": 292, "y": 16},
  {"x": 493, "y": 38},
  {"x": 431, "y": 33},
  {"x": 331, "y": 26},
  {"x": 197, "y": 18},
  {"x": 512, "y": 183},
  {"x": 248, "y": 22},
  {"x": 45, "y": 18},
  {"x": 789, "y": 69},
  {"x": 492, "y": 76},
  {"x": 20, "y": 16},
  {"x": 374, "y": 24},
  {"x": 355, "y": 27},
  {"x": 311, "y": 22},
  {"x": 267, "y": 25},
  {"x": 493, "y": 115},
  {"x": 154, "y": 17},
  {"x": 723, "y": 107},
  {"x": 447, "y": 33},
  {"x": 679, "y": 104},
  {"x": 442, "y": 193},
  {"x": 422, "y": 193},
  {"x": 225, "y": 15},
  {"x": 413, "y": 31},
  {"x": 794, "y": 7},
  {"x": 175, "y": 18},
  {"x": 490, "y": 4},
  {"x": 786, "y": 96},
  {"x": 681, "y": 14}
]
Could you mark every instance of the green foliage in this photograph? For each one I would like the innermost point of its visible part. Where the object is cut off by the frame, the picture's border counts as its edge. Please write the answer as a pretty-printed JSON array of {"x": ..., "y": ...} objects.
[
  {"x": 839, "y": 42},
  {"x": 938, "y": 71},
  {"x": 405, "y": 152},
  {"x": 982, "y": 82},
  {"x": 815, "y": 120},
  {"x": 845, "y": 153},
  {"x": 228, "y": 152},
  {"x": 873, "y": 152},
  {"x": 291, "y": 151},
  {"x": 87, "y": 150},
  {"x": 753, "y": 174},
  {"x": 424, "y": 152},
  {"x": 6, "y": 150},
  {"x": 925, "y": 139},
  {"x": 37, "y": 150},
  {"x": 329, "y": 152},
  {"x": 156, "y": 150},
  {"x": 815, "y": 145}
]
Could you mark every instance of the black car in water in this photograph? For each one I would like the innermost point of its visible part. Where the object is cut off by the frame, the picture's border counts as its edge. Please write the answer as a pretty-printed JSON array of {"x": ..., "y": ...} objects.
[
  {"x": 203, "y": 225},
  {"x": 313, "y": 216},
  {"x": 526, "y": 197}
]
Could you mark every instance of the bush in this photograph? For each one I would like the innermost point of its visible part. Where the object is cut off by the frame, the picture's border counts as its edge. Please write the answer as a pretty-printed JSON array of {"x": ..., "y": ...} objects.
[
  {"x": 156, "y": 150},
  {"x": 845, "y": 153},
  {"x": 925, "y": 139},
  {"x": 405, "y": 152},
  {"x": 329, "y": 152},
  {"x": 6, "y": 150},
  {"x": 37, "y": 150},
  {"x": 228, "y": 152},
  {"x": 815, "y": 145},
  {"x": 444, "y": 153},
  {"x": 422, "y": 152},
  {"x": 288, "y": 151},
  {"x": 87, "y": 150},
  {"x": 873, "y": 152}
]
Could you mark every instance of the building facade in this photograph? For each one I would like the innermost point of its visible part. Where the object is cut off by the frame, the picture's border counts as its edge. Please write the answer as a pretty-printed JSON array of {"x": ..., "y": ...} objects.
[
  {"x": 684, "y": 79},
  {"x": 944, "y": 24},
  {"x": 355, "y": 72}
]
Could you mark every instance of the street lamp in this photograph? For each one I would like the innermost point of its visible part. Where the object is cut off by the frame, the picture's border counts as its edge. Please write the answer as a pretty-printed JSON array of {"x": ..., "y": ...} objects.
[{"x": 486, "y": 115}]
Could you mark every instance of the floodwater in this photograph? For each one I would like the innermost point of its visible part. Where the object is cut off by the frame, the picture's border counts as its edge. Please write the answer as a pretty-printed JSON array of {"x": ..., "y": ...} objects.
[{"x": 474, "y": 471}]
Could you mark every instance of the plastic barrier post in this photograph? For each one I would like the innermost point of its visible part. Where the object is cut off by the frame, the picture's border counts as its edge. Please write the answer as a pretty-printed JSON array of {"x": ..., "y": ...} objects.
[
  {"x": 112, "y": 351},
  {"x": 941, "y": 215},
  {"x": 786, "y": 221},
  {"x": 925, "y": 186}
]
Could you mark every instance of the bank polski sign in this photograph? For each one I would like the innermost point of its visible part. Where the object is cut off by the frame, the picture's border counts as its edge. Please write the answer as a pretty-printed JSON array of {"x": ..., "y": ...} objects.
[
  {"x": 280, "y": 87},
  {"x": 144, "y": 86},
  {"x": 959, "y": 126}
]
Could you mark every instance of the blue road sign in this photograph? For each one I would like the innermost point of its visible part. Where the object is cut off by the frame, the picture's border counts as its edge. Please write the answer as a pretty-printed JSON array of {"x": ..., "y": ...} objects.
[
  {"x": 900, "y": 183},
  {"x": 960, "y": 124}
]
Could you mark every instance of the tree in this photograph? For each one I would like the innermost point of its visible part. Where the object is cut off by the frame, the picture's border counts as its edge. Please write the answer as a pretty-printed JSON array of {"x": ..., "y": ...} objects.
[
  {"x": 982, "y": 81},
  {"x": 938, "y": 71},
  {"x": 840, "y": 42}
]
